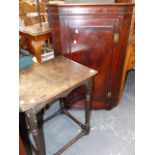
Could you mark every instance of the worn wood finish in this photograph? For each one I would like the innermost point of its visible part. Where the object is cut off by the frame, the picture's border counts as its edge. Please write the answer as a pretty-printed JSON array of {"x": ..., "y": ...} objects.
[
  {"x": 36, "y": 37},
  {"x": 43, "y": 82},
  {"x": 88, "y": 33}
]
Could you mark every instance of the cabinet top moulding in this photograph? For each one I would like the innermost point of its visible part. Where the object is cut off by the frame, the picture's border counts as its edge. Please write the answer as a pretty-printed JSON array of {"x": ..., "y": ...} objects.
[{"x": 113, "y": 8}]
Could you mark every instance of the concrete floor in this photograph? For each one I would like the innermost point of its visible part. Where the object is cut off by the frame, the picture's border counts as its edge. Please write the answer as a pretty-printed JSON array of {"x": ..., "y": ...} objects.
[{"x": 112, "y": 132}]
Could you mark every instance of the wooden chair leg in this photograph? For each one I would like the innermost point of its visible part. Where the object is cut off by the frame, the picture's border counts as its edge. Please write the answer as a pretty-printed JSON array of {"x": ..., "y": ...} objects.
[{"x": 35, "y": 48}]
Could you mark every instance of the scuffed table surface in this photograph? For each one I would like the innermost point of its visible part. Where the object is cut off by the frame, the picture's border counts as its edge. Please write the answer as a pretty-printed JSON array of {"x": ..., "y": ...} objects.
[{"x": 41, "y": 83}]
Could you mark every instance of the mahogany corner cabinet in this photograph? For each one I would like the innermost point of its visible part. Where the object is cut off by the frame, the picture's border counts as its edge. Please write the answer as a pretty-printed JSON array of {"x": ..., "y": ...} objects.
[{"x": 95, "y": 35}]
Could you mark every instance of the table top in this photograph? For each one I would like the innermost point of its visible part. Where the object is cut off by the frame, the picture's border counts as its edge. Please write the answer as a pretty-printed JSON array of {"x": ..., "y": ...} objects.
[
  {"x": 41, "y": 83},
  {"x": 35, "y": 30}
]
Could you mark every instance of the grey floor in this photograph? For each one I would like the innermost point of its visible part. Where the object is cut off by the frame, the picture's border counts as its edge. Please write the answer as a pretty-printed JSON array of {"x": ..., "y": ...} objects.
[{"x": 112, "y": 132}]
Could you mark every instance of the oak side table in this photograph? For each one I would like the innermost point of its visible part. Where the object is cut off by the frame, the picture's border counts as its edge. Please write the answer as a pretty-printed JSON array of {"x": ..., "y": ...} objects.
[{"x": 42, "y": 83}]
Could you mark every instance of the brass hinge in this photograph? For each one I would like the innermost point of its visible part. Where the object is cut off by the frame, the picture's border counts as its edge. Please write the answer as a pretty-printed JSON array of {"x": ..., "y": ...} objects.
[
  {"x": 109, "y": 94},
  {"x": 116, "y": 37}
]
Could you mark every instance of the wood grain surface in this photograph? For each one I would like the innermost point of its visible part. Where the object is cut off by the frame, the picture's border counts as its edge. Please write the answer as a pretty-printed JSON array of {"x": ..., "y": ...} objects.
[{"x": 41, "y": 83}]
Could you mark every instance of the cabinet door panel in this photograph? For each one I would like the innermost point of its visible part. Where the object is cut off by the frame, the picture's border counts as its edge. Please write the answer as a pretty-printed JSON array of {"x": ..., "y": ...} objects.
[{"x": 90, "y": 42}]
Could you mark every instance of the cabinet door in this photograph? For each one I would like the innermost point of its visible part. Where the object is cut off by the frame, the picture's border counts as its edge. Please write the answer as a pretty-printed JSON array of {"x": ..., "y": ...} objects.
[
  {"x": 89, "y": 41},
  {"x": 95, "y": 36}
]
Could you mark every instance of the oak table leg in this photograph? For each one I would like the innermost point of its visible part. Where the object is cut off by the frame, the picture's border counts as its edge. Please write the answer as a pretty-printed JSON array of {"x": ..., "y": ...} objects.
[
  {"x": 36, "y": 133},
  {"x": 88, "y": 105}
]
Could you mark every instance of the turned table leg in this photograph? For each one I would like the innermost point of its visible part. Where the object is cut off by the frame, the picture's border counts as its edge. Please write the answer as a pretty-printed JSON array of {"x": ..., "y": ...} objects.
[
  {"x": 88, "y": 105},
  {"x": 36, "y": 133}
]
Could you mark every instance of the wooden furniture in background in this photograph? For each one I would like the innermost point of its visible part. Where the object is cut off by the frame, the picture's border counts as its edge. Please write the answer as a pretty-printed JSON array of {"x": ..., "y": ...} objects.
[
  {"x": 40, "y": 84},
  {"x": 95, "y": 35},
  {"x": 26, "y": 7},
  {"x": 28, "y": 16},
  {"x": 36, "y": 37},
  {"x": 130, "y": 51},
  {"x": 131, "y": 43}
]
